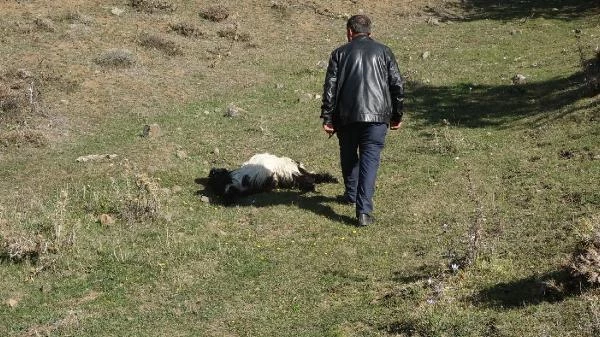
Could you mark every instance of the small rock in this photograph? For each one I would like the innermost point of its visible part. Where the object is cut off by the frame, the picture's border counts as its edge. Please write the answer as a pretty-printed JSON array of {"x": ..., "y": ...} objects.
[
  {"x": 433, "y": 21},
  {"x": 176, "y": 189},
  {"x": 24, "y": 73},
  {"x": 216, "y": 151},
  {"x": 94, "y": 157},
  {"x": 12, "y": 302},
  {"x": 45, "y": 24},
  {"x": 425, "y": 55},
  {"x": 305, "y": 98},
  {"x": 519, "y": 79},
  {"x": 204, "y": 199},
  {"x": 206, "y": 112},
  {"x": 106, "y": 220},
  {"x": 117, "y": 11},
  {"x": 152, "y": 131},
  {"x": 181, "y": 154},
  {"x": 322, "y": 64},
  {"x": 279, "y": 86},
  {"x": 233, "y": 111}
]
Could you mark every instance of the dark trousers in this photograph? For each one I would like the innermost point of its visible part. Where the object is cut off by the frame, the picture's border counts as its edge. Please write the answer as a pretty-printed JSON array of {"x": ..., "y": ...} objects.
[{"x": 360, "y": 149}]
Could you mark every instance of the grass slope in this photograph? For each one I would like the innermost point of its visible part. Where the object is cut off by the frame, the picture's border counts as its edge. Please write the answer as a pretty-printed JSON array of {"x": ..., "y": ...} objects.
[{"x": 481, "y": 197}]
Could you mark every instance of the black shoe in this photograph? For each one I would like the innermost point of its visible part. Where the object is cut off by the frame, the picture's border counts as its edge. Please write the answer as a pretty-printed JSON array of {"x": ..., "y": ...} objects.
[
  {"x": 344, "y": 200},
  {"x": 365, "y": 220}
]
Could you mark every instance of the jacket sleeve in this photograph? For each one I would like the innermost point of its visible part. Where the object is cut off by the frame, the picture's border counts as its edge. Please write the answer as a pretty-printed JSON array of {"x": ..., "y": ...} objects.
[
  {"x": 396, "y": 84},
  {"x": 330, "y": 90}
]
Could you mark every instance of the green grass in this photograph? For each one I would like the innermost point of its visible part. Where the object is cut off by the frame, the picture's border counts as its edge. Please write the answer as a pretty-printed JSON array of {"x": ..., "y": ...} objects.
[{"x": 521, "y": 162}]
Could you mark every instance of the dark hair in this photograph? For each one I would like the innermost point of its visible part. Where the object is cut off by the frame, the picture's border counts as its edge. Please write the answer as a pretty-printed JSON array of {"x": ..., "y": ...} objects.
[{"x": 359, "y": 24}]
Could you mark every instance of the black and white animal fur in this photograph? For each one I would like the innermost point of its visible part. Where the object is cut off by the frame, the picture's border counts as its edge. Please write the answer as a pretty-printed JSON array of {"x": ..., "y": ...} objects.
[{"x": 262, "y": 173}]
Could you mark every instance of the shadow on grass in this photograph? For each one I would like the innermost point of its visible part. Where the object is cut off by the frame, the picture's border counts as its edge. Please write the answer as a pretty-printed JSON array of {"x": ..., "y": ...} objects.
[
  {"x": 312, "y": 202},
  {"x": 551, "y": 287},
  {"x": 473, "y": 106},
  {"x": 470, "y": 10}
]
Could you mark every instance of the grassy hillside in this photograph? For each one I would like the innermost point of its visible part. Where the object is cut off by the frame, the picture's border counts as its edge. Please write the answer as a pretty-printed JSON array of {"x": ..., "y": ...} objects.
[{"x": 482, "y": 197}]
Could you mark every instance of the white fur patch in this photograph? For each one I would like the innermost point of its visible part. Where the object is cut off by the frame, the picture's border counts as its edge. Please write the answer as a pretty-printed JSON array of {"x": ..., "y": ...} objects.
[{"x": 262, "y": 167}]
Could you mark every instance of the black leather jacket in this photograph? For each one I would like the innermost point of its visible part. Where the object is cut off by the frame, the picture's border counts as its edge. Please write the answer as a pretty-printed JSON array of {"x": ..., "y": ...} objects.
[{"x": 362, "y": 84}]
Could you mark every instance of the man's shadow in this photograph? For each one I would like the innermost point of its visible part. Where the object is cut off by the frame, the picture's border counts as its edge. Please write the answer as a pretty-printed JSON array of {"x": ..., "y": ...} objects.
[{"x": 310, "y": 201}]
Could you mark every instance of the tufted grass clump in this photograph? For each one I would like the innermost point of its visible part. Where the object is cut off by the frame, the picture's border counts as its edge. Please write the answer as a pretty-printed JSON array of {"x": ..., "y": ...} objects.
[
  {"x": 161, "y": 43},
  {"x": 152, "y": 6},
  {"x": 585, "y": 261},
  {"x": 215, "y": 13},
  {"x": 186, "y": 29},
  {"x": 116, "y": 58}
]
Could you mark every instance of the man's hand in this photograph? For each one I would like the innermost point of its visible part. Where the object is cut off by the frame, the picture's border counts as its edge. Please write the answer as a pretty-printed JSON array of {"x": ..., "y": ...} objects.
[
  {"x": 329, "y": 129},
  {"x": 395, "y": 125}
]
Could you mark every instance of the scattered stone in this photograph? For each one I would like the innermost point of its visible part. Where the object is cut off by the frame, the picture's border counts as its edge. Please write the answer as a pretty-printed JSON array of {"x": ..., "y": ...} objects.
[
  {"x": 12, "y": 302},
  {"x": 204, "y": 199},
  {"x": 117, "y": 11},
  {"x": 305, "y": 98},
  {"x": 433, "y": 21},
  {"x": 233, "y": 111},
  {"x": 181, "y": 154},
  {"x": 95, "y": 157},
  {"x": 425, "y": 55},
  {"x": 216, "y": 151},
  {"x": 45, "y": 24},
  {"x": 519, "y": 79},
  {"x": 106, "y": 220},
  {"x": 279, "y": 86},
  {"x": 24, "y": 74},
  {"x": 151, "y": 131},
  {"x": 322, "y": 64}
]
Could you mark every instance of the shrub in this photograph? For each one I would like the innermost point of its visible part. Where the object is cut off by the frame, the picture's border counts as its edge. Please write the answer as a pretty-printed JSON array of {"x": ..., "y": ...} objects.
[
  {"x": 161, "y": 43},
  {"x": 585, "y": 261},
  {"x": 151, "y": 6},
  {"x": 216, "y": 13},
  {"x": 186, "y": 29},
  {"x": 116, "y": 58}
]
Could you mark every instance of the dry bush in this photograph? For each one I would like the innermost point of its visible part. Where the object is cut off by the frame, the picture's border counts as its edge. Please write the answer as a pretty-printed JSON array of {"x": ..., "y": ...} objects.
[
  {"x": 18, "y": 138},
  {"x": 21, "y": 248},
  {"x": 144, "y": 205},
  {"x": 215, "y": 13},
  {"x": 186, "y": 29},
  {"x": 152, "y": 6},
  {"x": 19, "y": 95},
  {"x": 11, "y": 100},
  {"x": 161, "y": 43},
  {"x": 585, "y": 261},
  {"x": 232, "y": 32},
  {"x": 116, "y": 58},
  {"x": 45, "y": 24}
]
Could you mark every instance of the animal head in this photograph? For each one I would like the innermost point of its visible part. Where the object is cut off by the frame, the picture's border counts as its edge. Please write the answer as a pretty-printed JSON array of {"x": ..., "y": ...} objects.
[{"x": 218, "y": 179}]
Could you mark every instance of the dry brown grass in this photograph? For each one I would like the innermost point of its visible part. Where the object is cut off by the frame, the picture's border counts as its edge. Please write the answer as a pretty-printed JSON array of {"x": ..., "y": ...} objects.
[
  {"x": 585, "y": 261},
  {"x": 161, "y": 43},
  {"x": 152, "y": 6}
]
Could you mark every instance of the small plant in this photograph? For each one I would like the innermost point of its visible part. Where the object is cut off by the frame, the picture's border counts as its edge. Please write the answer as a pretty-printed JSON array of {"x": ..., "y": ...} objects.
[
  {"x": 585, "y": 261},
  {"x": 115, "y": 58},
  {"x": 161, "y": 43},
  {"x": 186, "y": 29},
  {"x": 216, "y": 13},
  {"x": 144, "y": 204},
  {"x": 152, "y": 6}
]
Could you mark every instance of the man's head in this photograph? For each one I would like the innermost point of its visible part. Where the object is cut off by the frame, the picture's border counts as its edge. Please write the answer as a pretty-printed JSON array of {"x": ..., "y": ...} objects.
[{"x": 358, "y": 25}]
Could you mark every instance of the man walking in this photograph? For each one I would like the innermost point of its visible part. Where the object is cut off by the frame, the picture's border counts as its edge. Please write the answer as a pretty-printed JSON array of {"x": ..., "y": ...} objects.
[{"x": 362, "y": 96}]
